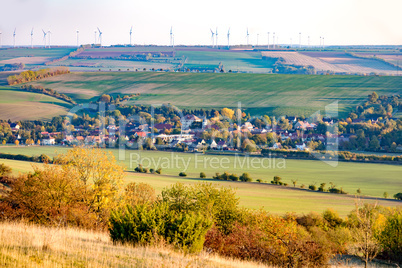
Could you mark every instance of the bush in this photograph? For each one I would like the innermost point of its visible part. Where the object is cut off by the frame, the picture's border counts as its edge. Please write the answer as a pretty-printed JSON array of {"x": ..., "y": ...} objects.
[
  {"x": 146, "y": 225},
  {"x": 182, "y": 174},
  {"x": 312, "y": 187},
  {"x": 277, "y": 180},
  {"x": 234, "y": 177},
  {"x": 152, "y": 170},
  {"x": 159, "y": 171},
  {"x": 398, "y": 196},
  {"x": 391, "y": 236},
  {"x": 246, "y": 177},
  {"x": 202, "y": 175},
  {"x": 139, "y": 194}
]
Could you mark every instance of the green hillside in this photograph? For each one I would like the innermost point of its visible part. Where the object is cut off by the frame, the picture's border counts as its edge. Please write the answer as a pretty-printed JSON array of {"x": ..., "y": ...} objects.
[{"x": 258, "y": 93}]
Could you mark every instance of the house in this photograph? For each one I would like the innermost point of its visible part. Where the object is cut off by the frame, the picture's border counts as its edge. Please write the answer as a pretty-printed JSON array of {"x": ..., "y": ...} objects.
[
  {"x": 301, "y": 146},
  {"x": 162, "y": 127},
  {"x": 277, "y": 145},
  {"x": 49, "y": 141},
  {"x": 14, "y": 127},
  {"x": 222, "y": 145},
  {"x": 187, "y": 120},
  {"x": 213, "y": 144}
]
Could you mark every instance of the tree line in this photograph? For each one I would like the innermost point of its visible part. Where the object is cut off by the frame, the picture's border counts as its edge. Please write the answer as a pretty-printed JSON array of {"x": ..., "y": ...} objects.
[{"x": 28, "y": 76}]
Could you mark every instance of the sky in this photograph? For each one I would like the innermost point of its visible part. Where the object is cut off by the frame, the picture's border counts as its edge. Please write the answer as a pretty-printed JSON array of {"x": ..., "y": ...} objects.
[{"x": 340, "y": 22}]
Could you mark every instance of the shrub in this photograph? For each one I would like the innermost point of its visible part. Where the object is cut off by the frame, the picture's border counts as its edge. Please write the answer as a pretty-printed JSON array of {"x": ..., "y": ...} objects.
[
  {"x": 202, "y": 175},
  {"x": 391, "y": 236},
  {"x": 277, "y": 180},
  {"x": 159, "y": 171},
  {"x": 332, "y": 218},
  {"x": 312, "y": 187},
  {"x": 182, "y": 174},
  {"x": 322, "y": 187},
  {"x": 246, "y": 177},
  {"x": 146, "y": 225},
  {"x": 398, "y": 196},
  {"x": 139, "y": 194},
  {"x": 233, "y": 177},
  {"x": 152, "y": 170}
]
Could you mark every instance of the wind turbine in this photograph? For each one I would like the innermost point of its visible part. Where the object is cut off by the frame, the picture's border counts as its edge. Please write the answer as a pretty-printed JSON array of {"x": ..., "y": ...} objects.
[
  {"x": 216, "y": 36},
  {"x": 77, "y": 38},
  {"x": 0, "y": 39},
  {"x": 100, "y": 37},
  {"x": 212, "y": 37},
  {"x": 171, "y": 36},
  {"x": 49, "y": 33},
  {"x": 273, "y": 40},
  {"x": 323, "y": 42},
  {"x": 14, "y": 36},
  {"x": 44, "y": 37},
  {"x": 268, "y": 41},
  {"x": 299, "y": 40},
  {"x": 247, "y": 36},
  {"x": 228, "y": 36},
  {"x": 258, "y": 35},
  {"x": 320, "y": 41},
  {"x": 31, "y": 37},
  {"x": 95, "y": 37},
  {"x": 131, "y": 32}
]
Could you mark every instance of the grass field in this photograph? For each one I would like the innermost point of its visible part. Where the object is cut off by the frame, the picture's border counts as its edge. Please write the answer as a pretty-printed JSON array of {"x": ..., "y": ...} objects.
[
  {"x": 274, "y": 199},
  {"x": 372, "y": 179},
  {"x": 21, "y": 105},
  {"x": 27, "y": 245},
  {"x": 10, "y": 53},
  {"x": 258, "y": 93},
  {"x": 243, "y": 61}
]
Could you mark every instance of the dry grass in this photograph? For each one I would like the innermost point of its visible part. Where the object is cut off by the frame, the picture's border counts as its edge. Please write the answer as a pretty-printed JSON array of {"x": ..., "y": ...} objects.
[{"x": 27, "y": 245}]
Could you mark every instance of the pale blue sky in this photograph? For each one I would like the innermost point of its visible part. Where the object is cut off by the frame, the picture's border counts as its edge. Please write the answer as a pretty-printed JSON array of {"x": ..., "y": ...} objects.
[{"x": 341, "y": 22}]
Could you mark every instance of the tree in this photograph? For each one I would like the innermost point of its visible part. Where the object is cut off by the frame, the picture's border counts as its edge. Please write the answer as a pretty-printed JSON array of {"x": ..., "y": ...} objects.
[
  {"x": 228, "y": 113},
  {"x": 366, "y": 223},
  {"x": 139, "y": 194},
  {"x": 202, "y": 175},
  {"x": 373, "y": 97},
  {"x": 385, "y": 195},
  {"x": 374, "y": 144},
  {"x": 4, "y": 142},
  {"x": 17, "y": 142},
  {"x": 105, "y": 98},
  {"x": 391, "y": 236},
  {"x": 4, "y": 170},
  {"x": 398, "y": 196}
]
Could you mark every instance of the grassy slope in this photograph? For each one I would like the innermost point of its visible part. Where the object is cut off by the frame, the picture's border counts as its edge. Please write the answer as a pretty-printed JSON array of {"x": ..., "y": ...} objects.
[
  {"x": 10, "y": 53},
  {"x": 21, "y": 105},
  {"x": 273, "y": 94},
  {"x": 372, "y": 179},
  {"x": 274, "y": 199},
  {"x": 24, "y": 245}
]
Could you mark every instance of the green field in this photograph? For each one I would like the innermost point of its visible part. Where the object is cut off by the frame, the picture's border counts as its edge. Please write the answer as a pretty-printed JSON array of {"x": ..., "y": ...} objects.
[
  {"x": 243, "y": 61},
  {"x": 372, "y": 179},
  {"x": 21, "y": 105},
  {"x": 10, "y": 53},
  {"x": 275, "y": 199},
  {"x": 258, "y": 93}
]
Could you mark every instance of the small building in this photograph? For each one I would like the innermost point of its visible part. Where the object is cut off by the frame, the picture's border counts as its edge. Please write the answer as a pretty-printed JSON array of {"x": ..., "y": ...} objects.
[{"x": 49, "y": 141}]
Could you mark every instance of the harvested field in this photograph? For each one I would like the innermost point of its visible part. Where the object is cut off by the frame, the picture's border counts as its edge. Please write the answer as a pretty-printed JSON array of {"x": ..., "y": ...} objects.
[
  {"x": 26, "y": 60},
  {"x": 337, "y": 62}
]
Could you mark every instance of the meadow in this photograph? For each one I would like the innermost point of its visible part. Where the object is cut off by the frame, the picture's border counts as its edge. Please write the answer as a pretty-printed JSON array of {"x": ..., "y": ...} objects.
[
  {"x": 10, "y": 53},
  {"x": 21, "y": 105},
  {"x": 258, "y": 93},
  {"x": 28, "y": 245}
]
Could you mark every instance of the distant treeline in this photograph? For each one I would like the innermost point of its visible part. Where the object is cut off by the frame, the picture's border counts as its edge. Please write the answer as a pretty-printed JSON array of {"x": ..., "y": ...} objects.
[
  {"x": 48, "y": 91},
  {"x": 72, "y": 54},
  {"x": 12, "y": 67},
  {"x": 343, "y": 155},
  {"x": 27, "y": 76},
  {"x": 20, "y": 157}
]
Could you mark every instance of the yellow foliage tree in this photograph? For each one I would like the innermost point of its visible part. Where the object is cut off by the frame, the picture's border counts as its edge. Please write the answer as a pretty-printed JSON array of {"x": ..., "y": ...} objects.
[{"x": 228, "y": 113}]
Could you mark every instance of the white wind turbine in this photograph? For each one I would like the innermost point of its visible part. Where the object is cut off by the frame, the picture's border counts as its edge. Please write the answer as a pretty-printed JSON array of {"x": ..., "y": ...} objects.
[
  {"x": 32, "y": 38},
  {"x": 216, "y": 36},
  {"x": 228, "y": 36},
  {"x": 49, "y": 33},
  {"x": 212, "y": 37},
  {"x": 14, "y": 36},
  {"x": 44, "y": 37},
  {"x": 100, "y": 36},
  {"x": 131, "y": 32},
  {"x": 247, "y": 36}
]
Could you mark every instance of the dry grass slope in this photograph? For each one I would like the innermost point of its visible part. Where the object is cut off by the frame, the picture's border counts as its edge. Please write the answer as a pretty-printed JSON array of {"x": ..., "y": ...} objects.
[{"x": 26, "y": 245}]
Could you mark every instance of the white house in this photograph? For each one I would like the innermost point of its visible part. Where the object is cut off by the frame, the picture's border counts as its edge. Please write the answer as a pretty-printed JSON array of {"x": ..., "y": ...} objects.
[
  {"x": 49, "y": 141},
  {"x": 301, "y": 146}
]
